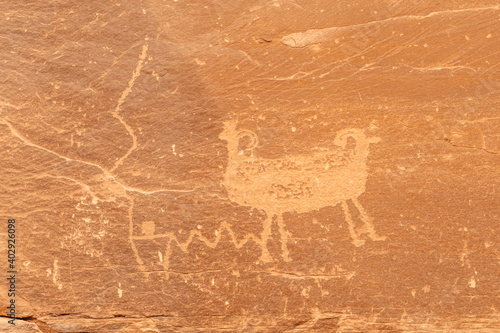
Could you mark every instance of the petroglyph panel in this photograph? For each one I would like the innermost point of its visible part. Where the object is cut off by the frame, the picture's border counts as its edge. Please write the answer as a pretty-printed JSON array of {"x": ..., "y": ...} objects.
[{"x": 258, "y": 166}]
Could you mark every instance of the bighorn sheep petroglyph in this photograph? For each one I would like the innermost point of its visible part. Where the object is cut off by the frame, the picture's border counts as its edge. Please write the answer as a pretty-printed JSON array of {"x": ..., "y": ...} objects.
[{"x": 298, "y": 183}]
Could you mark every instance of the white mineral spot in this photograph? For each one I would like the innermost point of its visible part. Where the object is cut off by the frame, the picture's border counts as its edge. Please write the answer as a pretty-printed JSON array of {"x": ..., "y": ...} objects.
[
  {"x": 120, "y": 291},
  {"x": 160, "y": 256},
  {"x": 472, "y": 282},
  {"x": 173, "y": 149}
]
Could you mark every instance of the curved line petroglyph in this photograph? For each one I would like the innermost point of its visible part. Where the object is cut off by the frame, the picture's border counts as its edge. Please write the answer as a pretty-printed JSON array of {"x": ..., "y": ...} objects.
[{"x": 294, "y": 183}]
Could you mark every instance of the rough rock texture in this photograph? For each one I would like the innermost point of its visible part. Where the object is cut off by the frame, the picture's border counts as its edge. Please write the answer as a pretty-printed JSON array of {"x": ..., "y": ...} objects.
[{"x": 252, "y": 166}]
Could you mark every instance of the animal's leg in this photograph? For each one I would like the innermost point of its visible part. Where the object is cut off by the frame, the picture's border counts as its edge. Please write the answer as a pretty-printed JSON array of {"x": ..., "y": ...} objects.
[
  {"x": 284, "y": 238},
  {"x": 264, "y": 237},
  {"x": 168, "y": 254},
  {"x": 137, "y": 256},
  {"x": 350, "y": 223},
  {"x": 369, "y": 228}
]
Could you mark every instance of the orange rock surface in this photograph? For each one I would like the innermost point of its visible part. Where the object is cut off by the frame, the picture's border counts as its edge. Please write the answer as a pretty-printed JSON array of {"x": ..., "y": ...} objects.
[{"x": 251, "y": 166}]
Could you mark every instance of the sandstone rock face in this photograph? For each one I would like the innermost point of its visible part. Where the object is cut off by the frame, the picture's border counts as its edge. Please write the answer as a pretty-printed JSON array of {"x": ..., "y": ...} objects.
[{"x": 251, "y": 166}]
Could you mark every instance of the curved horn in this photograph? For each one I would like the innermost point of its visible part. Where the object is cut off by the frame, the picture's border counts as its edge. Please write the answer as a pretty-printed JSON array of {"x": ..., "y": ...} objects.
[
  {"x": 343, "y": 135},
  {"x": 254, "y": 139}
]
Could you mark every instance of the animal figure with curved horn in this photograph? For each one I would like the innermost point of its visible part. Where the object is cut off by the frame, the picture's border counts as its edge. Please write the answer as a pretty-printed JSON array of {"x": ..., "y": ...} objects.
[{"x": 299, "y": 183}]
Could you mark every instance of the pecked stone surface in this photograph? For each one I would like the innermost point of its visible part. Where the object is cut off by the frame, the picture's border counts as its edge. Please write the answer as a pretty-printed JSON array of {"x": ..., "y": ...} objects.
[{"x": 252, "y": 166}]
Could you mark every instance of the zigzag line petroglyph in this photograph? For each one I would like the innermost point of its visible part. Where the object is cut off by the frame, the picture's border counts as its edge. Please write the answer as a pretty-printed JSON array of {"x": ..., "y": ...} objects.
[
  {"x": 116, "y": 111},
  {"x": 171, "y": 238}
]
